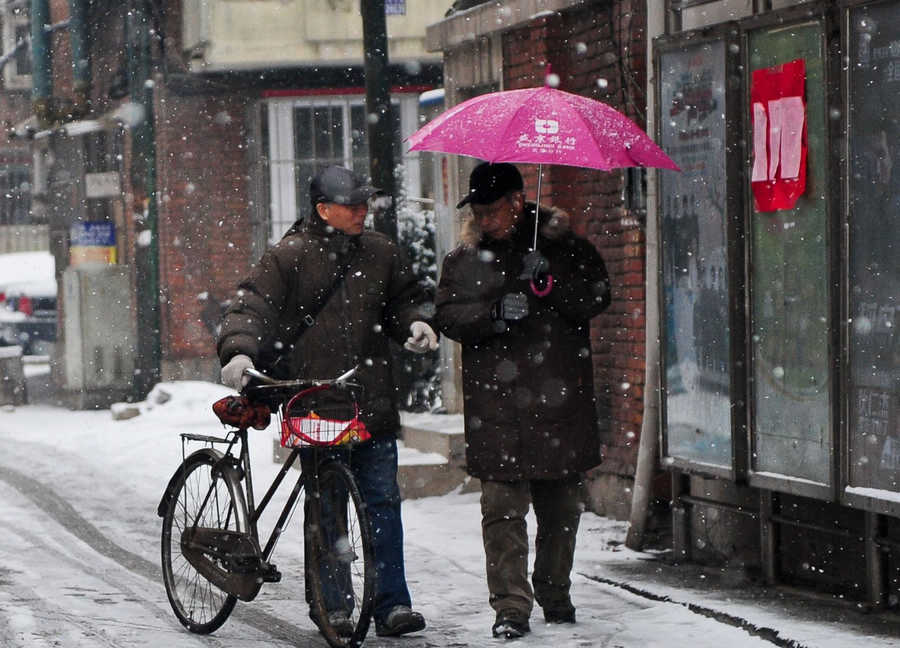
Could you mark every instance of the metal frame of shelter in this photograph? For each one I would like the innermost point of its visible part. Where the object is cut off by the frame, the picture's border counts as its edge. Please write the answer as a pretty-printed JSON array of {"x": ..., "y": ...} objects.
[{"x": 833, "y": 21}]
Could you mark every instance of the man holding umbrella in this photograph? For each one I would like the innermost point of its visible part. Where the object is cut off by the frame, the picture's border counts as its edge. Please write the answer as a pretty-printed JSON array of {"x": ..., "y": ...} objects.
[{"x": 522, "y": 314}]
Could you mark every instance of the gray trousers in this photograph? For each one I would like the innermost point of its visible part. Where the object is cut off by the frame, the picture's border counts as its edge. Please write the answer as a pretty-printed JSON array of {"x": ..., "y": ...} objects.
[{"x": 557, "y": 506}]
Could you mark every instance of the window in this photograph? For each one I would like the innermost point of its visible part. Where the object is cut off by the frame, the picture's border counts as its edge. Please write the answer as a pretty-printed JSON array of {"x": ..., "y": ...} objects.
[
  {"x": 16, "y": 29},
  {"x": 309, "y": 133}
]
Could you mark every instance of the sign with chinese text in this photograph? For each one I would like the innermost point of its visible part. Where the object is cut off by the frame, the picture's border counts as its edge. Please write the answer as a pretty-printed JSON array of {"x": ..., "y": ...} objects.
[
  {"x": 778, "y": 113},
  {"x": 92, "y": 242}
]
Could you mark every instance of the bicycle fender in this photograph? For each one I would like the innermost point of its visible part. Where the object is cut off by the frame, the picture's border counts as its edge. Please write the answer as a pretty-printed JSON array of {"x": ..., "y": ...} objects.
[{"x": 214, "y": 455}]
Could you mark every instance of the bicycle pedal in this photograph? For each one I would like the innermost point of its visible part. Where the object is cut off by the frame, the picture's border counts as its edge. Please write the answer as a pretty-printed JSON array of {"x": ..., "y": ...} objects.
[{"x": 270, "y": 573}]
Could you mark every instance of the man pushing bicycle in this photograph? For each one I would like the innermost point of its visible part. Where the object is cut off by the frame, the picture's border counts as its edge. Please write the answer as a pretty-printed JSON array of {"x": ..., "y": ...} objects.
[{"x": 329, "y": 295}]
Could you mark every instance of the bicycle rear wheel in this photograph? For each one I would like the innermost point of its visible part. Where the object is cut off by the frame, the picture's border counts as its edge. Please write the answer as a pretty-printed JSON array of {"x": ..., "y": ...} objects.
[
  {"x": 340, "y": 557},
  {"x": 199, "y": 605}
]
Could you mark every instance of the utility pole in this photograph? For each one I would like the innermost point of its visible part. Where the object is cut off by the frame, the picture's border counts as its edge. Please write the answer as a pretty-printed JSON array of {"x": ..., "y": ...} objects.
[
  {"x": 143, "y": 178},
  {"x": 379, "y": 120}
]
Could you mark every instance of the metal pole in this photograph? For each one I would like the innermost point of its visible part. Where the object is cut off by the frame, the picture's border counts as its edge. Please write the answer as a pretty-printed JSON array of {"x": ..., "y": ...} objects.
[
  {"x": 537, "y": 206},
  {"x": 41, "y": 73},
  {"x": 81, "y": 66},
  {"x": 379, "y": 111},
  {"x": 143, "y": 177}
]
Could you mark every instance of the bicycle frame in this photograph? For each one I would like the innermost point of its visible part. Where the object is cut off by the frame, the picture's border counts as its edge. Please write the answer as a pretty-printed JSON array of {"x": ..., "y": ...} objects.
[{"x": 242, "y": 461}]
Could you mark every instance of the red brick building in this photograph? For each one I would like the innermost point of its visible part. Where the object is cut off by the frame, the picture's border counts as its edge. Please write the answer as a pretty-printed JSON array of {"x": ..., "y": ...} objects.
[{"x": 202, "y": 141}]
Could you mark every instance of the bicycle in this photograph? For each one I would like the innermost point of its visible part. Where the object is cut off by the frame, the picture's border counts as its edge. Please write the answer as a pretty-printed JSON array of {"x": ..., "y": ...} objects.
[{"x": 211, "y": 554}]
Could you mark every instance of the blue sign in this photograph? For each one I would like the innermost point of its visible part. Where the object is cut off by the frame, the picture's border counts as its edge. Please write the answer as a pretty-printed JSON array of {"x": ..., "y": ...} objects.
[
  {"x": 395, "y": 7},
  {"x": 97, "y": 233}
]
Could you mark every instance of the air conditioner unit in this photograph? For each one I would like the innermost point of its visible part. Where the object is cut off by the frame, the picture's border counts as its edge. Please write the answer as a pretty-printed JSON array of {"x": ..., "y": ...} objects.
[{"x": 99, "y": 338}]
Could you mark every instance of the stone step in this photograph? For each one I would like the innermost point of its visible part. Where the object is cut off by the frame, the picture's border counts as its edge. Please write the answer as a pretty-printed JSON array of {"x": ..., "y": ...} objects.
[
  {"x": 432, "y": 455},
  {"x": 439, "y": 433}
]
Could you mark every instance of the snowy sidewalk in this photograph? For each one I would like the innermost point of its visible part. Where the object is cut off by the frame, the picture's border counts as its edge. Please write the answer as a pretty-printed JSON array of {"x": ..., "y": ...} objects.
[{"x": 79, "y": 558}]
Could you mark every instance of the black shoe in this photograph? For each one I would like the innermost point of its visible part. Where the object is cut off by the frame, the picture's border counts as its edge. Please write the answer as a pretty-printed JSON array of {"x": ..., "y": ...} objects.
[
  {"x": 564, "y": 613},
  {"x": 400, "y": 620},
  {"x": 339, "y": 621},
  {"x": 510, "y": 624}
]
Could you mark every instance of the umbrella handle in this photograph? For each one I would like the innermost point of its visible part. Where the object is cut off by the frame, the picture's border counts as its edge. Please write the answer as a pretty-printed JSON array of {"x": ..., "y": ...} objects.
[{"x": 546, "y": 290}]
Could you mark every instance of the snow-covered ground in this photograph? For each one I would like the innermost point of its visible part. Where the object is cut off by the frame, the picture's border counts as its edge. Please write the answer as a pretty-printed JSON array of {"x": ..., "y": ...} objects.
[{"x": 79, "y": 553}]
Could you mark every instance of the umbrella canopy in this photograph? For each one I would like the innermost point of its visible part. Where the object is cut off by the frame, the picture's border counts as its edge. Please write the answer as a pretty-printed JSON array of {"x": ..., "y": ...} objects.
[{"x": 541, "y": 126}]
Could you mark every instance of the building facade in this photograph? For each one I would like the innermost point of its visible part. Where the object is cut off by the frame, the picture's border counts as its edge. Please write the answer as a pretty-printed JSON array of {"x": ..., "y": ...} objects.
[{"x": 184, "y": 134}]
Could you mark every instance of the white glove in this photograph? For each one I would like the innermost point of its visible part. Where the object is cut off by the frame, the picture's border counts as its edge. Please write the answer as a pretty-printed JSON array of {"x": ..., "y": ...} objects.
[
  {"x": 423, "y": 338},
  {"x": 233, "y": 372}
]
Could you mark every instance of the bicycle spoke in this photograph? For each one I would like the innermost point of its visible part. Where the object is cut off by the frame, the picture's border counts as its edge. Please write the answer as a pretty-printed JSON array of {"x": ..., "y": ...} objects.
[{"x": 200, "y": 502}]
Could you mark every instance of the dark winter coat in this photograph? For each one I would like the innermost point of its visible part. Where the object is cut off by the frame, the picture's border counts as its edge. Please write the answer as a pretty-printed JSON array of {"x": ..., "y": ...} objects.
[
  {"x": 528, "y": 386},
  {"x": 379, "y": 298}
]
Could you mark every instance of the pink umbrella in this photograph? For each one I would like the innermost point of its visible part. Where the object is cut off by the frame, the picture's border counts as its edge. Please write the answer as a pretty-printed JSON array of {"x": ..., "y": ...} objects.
[{"x": 541, "y": 126}]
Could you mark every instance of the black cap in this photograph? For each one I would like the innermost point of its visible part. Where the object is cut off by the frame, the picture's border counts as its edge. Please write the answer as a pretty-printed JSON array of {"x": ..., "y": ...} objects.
[
  {"x": 490, "y": 182},
  {"x": 335, "y": 184}
]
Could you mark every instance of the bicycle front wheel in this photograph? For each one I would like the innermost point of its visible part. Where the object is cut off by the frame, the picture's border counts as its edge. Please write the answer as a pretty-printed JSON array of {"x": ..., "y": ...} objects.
[
  {"x": 199, "y": 497},
  {"x": 340, "y": 557}
]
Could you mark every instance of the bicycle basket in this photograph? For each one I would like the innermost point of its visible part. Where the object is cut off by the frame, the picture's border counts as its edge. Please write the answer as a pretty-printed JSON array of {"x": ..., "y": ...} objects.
[{"x": 322, "y": 416}]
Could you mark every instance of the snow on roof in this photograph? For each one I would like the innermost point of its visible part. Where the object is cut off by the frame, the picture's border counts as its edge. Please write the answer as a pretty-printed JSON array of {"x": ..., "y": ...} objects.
[{"x": 37, "y": 268}]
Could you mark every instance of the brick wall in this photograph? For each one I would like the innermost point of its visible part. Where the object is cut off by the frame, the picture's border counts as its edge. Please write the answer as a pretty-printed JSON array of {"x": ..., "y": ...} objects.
[
  {"x": 204, "y": 222},
  {"x": 598, "y": 52}
]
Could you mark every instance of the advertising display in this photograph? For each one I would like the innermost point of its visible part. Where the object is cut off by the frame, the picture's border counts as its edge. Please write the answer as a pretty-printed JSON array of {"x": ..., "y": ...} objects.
[
  {"x": 695, "y": 324},
  {"x": 92, "y": 242},
  {"x": 874, "y": 248},
  {"x": 791, "y": 435}
]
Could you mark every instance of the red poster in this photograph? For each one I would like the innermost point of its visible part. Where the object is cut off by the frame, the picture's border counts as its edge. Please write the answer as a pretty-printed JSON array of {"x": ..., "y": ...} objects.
[{"x": 778, "y": 114}]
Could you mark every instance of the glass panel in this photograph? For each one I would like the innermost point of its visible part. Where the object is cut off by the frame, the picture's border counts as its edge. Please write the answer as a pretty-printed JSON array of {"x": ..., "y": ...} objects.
[
  {"x": 694, "y": 256},
  {"x": 874, "y": 273},
  {"x": 303, "y": 128},
  {"x": 789, "y": 288},
  {"x": 318, "y": 142},
  {"x": 359, "y": 143},
  {"x": 328, "y": 135}
]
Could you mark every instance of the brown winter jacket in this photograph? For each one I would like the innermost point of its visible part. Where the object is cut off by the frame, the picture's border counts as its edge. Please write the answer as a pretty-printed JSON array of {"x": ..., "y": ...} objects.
[
  {"x": 379, "y": 298},
  {"x": 528, "y": 387}
]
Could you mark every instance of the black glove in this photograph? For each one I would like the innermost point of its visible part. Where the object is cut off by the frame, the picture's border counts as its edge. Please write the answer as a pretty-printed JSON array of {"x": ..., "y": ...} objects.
[
  {"x": 512, "y": 306},
  {"x": 535, "y": 267}
]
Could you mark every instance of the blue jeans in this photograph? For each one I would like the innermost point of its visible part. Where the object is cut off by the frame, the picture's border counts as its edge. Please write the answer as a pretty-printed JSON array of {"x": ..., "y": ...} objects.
[{"x": 374, "y": 466}]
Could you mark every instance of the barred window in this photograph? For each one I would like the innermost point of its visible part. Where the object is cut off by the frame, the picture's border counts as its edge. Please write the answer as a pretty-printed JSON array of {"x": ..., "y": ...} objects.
[{"x": 306, "y": 134}]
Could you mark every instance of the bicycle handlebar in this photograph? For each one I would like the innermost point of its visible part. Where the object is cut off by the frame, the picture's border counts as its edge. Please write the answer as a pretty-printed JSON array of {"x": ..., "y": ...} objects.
[{"x": 260, "y": 384}]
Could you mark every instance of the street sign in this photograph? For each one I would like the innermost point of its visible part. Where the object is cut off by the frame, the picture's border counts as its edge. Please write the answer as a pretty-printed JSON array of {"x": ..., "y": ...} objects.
[
  {"x": 92, "y": 242},
  {"x": 102, "y": 185}
]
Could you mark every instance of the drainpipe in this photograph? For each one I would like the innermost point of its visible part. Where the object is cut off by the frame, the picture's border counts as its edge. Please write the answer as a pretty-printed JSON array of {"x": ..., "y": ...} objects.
[
  {"x": 41, "y": 73},
  {"x": 81, "y": 65},
  {"x": 648, "y": 448}
]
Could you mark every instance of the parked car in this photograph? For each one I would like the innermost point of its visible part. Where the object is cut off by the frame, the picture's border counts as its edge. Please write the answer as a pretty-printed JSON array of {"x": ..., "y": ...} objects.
[{"x": 28, "y": 301}]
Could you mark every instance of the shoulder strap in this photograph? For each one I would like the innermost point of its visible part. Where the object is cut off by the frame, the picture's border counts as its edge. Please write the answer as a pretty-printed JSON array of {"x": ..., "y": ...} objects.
[{"x": 309, "y": 319}]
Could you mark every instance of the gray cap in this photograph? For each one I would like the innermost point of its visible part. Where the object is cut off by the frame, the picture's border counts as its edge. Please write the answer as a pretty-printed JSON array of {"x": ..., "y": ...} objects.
[{"x": 335, "y": 184}]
